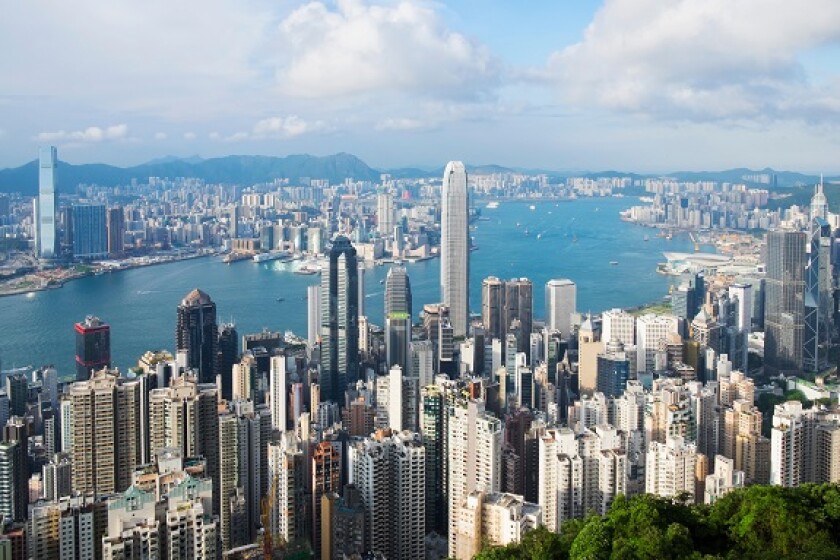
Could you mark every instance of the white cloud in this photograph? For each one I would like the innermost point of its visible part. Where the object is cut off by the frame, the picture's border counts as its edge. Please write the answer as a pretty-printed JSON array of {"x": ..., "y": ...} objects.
[
  {"x": 89, "y": 134},
  {"x": 189, "y": 136},
  {"x": 285, "y": 127},
  {"x": 161, "y": 136},
  {"x": 701, "y": 59},
  {"x": 403, "y": 123},
  {"x": 362, "y": 47}
]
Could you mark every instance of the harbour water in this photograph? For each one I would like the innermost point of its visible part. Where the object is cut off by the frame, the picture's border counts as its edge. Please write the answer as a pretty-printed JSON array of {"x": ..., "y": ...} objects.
[{"x": 583, "y": 239}]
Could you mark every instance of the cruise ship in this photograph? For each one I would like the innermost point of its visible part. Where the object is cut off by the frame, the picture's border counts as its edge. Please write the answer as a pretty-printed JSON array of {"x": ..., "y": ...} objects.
[{"x": 270, "y": 256}]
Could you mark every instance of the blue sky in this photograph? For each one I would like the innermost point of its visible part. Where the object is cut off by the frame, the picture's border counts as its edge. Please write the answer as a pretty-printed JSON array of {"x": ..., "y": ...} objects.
[{"x": 637, "y": 85}]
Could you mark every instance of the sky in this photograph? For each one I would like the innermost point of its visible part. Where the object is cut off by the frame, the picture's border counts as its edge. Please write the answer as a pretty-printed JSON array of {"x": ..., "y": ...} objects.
[{"x": 633, "y": 85}]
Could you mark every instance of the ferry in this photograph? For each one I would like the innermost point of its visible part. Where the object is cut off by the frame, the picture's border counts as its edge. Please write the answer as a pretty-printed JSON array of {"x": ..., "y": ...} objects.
[
  {"x": 532, "y": 207},
  {"x": 492, "y": 205},
  {"x": 614, "y": 263},
  {"x": 270, "y": 256}
]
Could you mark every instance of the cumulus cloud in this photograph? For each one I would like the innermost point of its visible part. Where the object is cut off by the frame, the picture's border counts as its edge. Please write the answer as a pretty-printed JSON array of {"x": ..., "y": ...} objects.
[
  {"x": 190, "y": 136},
  {"x": 403, "y": 123},
  {"x": 701, "y": 59},
  {"x": 161, "y": 136},
  {"x": 285, "y": 127},
  {"x": 358, "y": 47},
  {"x": 89, "y": 134}
]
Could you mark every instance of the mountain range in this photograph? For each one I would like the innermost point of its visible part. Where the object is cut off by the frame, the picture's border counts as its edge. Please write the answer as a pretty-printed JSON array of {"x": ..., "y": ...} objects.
[{"x": 260, "y": 169}]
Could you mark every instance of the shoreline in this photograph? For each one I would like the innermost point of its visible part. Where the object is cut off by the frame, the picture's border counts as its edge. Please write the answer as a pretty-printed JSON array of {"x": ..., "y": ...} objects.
[{"x": 97, "y": 271}]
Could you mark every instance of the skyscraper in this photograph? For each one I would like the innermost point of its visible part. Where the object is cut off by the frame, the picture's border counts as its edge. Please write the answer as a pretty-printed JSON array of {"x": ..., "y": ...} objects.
[
  {"x": 815, "y": 290},
  {"x": 397, "y": 317},
  {"x": 455, "y": 246},
  {"x": 784, "y": 316},
  {"x": 93, "y": 346},
  {"x": 227, "y": 354},
  {"x": 492, "y": 307},
  {"x": 339, "y": 321},
  {"x": 313, "y": 305},
  {"x": 45, "y": 206},
  {"x": 560, "y": 303},
  {"x": 115, "y": 220},
  {"x": 197, "y": 333},
  {"x": 90, "y": 232},
  {"x": 385, "y": 213}
]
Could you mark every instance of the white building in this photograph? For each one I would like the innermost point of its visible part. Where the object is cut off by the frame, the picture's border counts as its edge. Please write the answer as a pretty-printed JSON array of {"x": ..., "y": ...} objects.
[
  {"x": 560, "y": 304},
  {"x": 617, "y": 324},
  {"x": 651, "y": 333},
  {"x": 670, "y": 468},
  {"x": 725, "y": 479},
  {"x": 455, "y": 246},
  {"x": 495, "y": 519}
]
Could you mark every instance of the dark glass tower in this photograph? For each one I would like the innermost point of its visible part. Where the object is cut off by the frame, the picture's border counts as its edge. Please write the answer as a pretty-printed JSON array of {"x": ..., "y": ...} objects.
[
  {"x": 93, "y": 346},
  {"x": 397, "y": 317},
  {"x": 227, "y": 354},
  {"x": 784, "y": 315},
  {"x": 196, "y": 333},
  {"x": 339, "y": 321}
]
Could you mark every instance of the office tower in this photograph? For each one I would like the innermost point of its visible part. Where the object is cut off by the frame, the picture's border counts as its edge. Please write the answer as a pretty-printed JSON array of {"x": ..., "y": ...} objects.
[
  {"x": 389, "y": 472},
  {"x": 14, "y": 479},
  {"x": 494, "y": 519},
  {"x": 17, "y": 389},
  {"x": 46, "y": 205},
  {"x": 613, "y": 369},
  {"x": 385, "y": 213},
  {"x": 651, "y": 332},
  {"x": 619, "y": 325},
  {"x": 339, "y": 321},
  {"x": 197, "y": 334},
  {"x": 286, "y": 500},
  {"x": 107, "y": 437},
  {"x": 90, "y": 233},
  {"x": 742, "y": 295},
  {"x": 474, "y": 450},
  {"x": 115, "y": 221},
  {"x": 227, "y": 354},
  {"x": 278, "y": 388},
  {"x": 422, "y": 361},
  {"x": 313, "y": 307},
  {"x": 588, "y": 349},
  {"x": 560, "y": 304},
  {"x": 492, "y": 307},
  {"x": 433, "y": 429},
  {"x": 325, "y": 471},
  {"x": 93, "y": 346},
  {"x": 784, "y": 316},
  {"x": 360, "y": 282},
  {"x": 398, "y": 311},
  {"x": 455, "y": 246},
  {"x": 670, "y": 468}
]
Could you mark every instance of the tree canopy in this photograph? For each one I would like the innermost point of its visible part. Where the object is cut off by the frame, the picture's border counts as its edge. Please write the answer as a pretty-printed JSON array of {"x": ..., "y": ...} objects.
[{"x": 759, "y": 522}]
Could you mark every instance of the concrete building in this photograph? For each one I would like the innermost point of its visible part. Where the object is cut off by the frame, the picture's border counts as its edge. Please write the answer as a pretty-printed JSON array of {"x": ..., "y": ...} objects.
[
  {"x": 455, "y": 246},
  {"x": 560, "y": 305},
  {"x": 670, "y": 468},
  {"x": 495, "y": 519}
]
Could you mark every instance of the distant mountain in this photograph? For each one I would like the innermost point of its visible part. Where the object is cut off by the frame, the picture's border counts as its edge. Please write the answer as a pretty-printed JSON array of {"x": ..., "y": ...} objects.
[
  {"x": 230, "y": 169},
  {"x": 169, "y": 159},
  {"x": 750, "y": 177}
]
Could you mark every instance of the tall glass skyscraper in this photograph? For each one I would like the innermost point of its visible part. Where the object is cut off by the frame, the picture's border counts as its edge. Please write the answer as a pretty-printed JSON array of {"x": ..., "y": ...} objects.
[
  {"x": 339, "y": 321},
  {"x": 397, "y": 317},
  {"x": 45, "y": 206},
  {"x": 455, "y": 246},
  {"x": 784, "y": 316},
  {"x": 90, "y": 231},
  {"x": 197, "y": 333}
]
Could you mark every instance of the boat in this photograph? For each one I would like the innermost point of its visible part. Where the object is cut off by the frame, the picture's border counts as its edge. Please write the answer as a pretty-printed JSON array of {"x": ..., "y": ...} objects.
[
  {"x": 281, "y": 300},
  {"x": 382, "y": 281},
  {"x": 532, "y": 207},
  {"x": 492, "y": 205},
  {"x": 614, "y": 263},
  {"x": 539, "y": 236},
  {"x": 647, "y": 238},
  {"x": 270, "y": 256}
]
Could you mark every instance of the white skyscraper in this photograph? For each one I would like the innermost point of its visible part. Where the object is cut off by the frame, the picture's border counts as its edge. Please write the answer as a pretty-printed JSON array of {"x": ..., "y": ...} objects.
[
  {"x": 455, "y": 246},
  {"x": 278, "y": 388},
  {"x": 617, "y": 324},
  {"x": 651, "y": 332},
  {"x": 313, "y": 305},
  {"x": 385, "y": 213},
  {"x": 670, "y": 468},
  {"x": 560, "y": 304},
  {"x": 45, "y": 206},
  {"x": 743, "y": 294},
  {"x": 474, "y": 450}
]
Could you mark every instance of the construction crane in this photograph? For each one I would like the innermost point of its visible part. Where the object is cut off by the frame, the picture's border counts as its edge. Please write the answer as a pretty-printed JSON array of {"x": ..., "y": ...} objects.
[{"x": 266, "y": 504}]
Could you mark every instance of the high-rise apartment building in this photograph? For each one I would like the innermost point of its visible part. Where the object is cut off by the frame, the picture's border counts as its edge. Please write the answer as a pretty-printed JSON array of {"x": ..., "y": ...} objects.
[
  {"x": 46, "y": 205},
  {"x": 725, "y": 479},
  {"x": 313, "y": 316},
  {"x": 494, "y": 519},
  {"x": 398, "y": 312},
  {"x": 433, "y": 428},
  {"x": 742, "y": 296},
  {"x": 90, "y": 231},
  {"x": 287, "y": 499},
  {"x": 473, "y": 453},
  {"x": 14, "y": 479},
  {"x": 107, "y": 436},
  {"x": 385, "y": 213},
  {"x": 93, "y": 346},
  {"x": 227, "y": 354},
  {"x": 670, "y": 468},
  {"x": 389, "y": 471},
  {"x": 325, "y": 471},
  {"x": 197, "y": 334},
  {"x": 455, "y": 246},
  {"x": 784, "y": 315},
  {"x": 560, "y": 304},
  {"x": 339, "y": 321}
]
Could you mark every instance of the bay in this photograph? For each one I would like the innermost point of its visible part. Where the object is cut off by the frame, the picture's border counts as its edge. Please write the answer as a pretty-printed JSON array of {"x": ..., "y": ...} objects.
[{"x": 577, "y": 239}]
